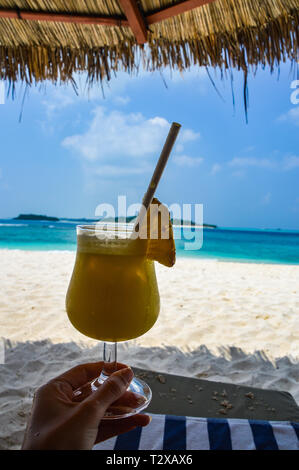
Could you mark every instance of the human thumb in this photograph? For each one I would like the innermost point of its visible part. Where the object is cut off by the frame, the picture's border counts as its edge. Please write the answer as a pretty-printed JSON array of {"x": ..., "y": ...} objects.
[{"x": 112, "y": 389}]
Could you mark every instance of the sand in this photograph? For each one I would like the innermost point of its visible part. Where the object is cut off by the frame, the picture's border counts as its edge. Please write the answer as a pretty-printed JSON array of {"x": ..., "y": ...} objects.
[{"x": 232, "y": 322}]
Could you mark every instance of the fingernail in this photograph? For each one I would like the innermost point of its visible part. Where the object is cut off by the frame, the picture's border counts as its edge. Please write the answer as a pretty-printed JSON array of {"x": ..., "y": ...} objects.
[
  {"x": 141, "y": 400},
  {"x": 126, "y": 374}
]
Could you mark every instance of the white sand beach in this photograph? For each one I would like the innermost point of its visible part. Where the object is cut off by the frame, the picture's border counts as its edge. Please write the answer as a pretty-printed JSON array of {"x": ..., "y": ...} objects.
[{"x": 225, "y": 321}]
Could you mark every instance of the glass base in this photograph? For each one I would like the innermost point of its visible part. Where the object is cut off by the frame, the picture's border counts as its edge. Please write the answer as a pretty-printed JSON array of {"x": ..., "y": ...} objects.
[{"x": 137, "y": 397}]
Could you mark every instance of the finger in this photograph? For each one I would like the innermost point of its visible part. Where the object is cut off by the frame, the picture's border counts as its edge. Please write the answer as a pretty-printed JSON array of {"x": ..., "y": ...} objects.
[
  {"x": 111, "y": 390},
  {"x": 128, "y": 403},
  {"x": 130, "y": 400},
  {"x": 108, "y": 429},
  {"x": 127, "y": 400},
  {"x": 80, "y": 375}
]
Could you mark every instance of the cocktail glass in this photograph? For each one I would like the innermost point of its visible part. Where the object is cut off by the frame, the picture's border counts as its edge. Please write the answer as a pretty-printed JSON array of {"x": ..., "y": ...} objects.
[{"x": 113, "y": 297}]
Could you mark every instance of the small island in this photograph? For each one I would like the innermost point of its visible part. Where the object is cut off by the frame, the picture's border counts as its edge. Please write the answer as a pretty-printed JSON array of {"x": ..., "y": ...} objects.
[
  {"x": 174, "y": 222},
  {"x": 129, "y": 219},
  {"x": 191, "y": 222},
  {"x": 35, "y": 217}
]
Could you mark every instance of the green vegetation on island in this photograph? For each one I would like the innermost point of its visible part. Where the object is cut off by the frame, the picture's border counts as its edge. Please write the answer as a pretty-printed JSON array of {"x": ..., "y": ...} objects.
[
  {"x": 36, "y": 217},
  {"x": 127, "y": 220},
  {"x": 106, "y": 219},
  {"x": 190, "y": 222}
]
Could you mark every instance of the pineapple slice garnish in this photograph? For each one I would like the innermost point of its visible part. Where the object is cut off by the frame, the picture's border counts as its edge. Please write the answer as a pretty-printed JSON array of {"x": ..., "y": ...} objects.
[{"x": 158, "y": 232}]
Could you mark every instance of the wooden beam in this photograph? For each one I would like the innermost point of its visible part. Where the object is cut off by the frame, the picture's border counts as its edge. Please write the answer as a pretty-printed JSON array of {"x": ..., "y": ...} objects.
[
  {"x": 135, "y": 20},
  {"x": 63, "y": 17},
  {"x": 175, "y": 10}
]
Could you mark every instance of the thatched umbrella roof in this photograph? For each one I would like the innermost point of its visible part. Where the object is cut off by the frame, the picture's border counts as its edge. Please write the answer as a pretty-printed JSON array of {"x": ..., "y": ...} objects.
[{"x": 53, "y": 39}]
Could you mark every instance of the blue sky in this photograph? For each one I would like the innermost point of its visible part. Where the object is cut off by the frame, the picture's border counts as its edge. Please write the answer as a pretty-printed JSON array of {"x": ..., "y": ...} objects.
[{"x": 70, "y": 153}]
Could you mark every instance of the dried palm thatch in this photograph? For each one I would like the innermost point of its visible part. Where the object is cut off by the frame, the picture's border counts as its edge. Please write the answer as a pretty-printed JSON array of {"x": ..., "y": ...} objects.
[{"x": 223, "y": 33}]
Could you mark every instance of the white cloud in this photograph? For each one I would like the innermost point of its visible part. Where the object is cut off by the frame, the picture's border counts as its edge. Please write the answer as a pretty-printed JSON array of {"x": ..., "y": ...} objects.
[
  {"x": 117, "y": 90},
  {"x": 185, "y": 160},
  {"x": 119, "y": 135},
  {"x": 291, "y": 116},
  {"x": 291, "y": 162},
  {"x": 60, "y": 97},
  {"x": 121, "y": 100},
  {"x": 243, "y": 162},
  {"x": 124, "y": 143},
  {"x": 188, "y": 135},
  {"x": 215, "y": 168}
]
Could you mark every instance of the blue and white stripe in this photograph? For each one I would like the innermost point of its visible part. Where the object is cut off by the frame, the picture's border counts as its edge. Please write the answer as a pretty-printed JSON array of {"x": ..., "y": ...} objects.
[{"x": 167, "y": 432}]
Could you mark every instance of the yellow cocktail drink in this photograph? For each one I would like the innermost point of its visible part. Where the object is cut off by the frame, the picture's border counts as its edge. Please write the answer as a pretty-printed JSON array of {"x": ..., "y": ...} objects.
[{"x": 113, "y": 294}]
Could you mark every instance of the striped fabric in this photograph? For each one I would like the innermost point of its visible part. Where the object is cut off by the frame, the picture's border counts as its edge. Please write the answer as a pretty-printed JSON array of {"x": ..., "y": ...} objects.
[{"x": 166, "y": 432}]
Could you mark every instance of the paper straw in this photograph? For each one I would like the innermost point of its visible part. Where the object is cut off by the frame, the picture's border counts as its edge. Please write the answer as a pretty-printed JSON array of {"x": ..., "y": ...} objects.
[{"x": 148, "y": 197}]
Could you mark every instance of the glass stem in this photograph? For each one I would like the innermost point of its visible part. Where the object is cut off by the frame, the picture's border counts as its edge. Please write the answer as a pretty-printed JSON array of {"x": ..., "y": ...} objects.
[{"x": 110, "y": 359}]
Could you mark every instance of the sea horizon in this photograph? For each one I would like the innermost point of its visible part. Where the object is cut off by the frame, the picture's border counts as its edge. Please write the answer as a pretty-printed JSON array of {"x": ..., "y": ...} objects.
[
  {"x": 45, "y": 218},
  {"x": 254, "y": 245}
]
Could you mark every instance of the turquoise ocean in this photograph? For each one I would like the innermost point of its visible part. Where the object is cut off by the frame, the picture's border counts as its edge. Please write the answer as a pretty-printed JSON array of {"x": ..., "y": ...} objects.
[{"x": 232, "y": 244}]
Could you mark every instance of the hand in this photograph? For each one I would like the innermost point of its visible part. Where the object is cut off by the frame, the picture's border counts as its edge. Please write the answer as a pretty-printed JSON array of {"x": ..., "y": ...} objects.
[{"x": 59, "y": 422}]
